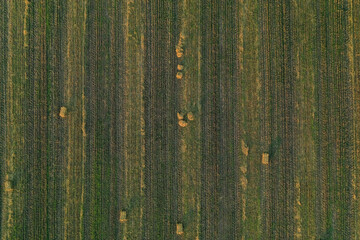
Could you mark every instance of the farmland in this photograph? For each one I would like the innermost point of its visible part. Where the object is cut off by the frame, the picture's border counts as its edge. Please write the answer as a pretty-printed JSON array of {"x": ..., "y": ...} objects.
[{"x": 135, "y": 119}]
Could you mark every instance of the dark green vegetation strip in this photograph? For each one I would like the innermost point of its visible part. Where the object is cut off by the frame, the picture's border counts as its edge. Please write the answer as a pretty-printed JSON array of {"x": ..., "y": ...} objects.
[
  {"x": 3, "y": 79},
  {"x": 210, "y": 102},
  {"x": 278, "y": 118},
  {"x": 161, "y": 209},
  {"x": 260, "y": 77}
]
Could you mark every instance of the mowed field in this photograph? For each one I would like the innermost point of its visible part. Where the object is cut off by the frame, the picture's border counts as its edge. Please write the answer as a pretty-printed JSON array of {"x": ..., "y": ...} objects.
[{"x": 199, "y": 119}]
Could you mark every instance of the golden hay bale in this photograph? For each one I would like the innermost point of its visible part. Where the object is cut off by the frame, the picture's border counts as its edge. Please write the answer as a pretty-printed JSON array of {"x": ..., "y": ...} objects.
[
  {"x": 180, "y": 67},
  {"x": 182, "y": 123},
  {"x": 179, "y": 229},
  {"x": 123, "y": 216},
  {"x": 63, "y": 111},
  {"x": 179, "y": 75},
  {"x": 265, "y": 158},
  {"x": 180, "y": 116},
  {"x": 179, "y": 52},
  {"x": 190, "y": 116}
]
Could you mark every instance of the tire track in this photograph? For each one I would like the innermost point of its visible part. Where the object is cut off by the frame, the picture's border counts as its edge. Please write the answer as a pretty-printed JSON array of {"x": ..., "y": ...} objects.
[
  {"x": 226, "y": 129},
  {"x": 103, "y": 123},
  {"x": 104, "y": 141},
  {"x": 239, "y": 163},
  {"x": 133, "y": 114},
  {"x": 32, "y": 181},
  {"x": 346, "y": 159},
  {"x": 60, "y": 43},
  {"x": 265, "y": 65},
  {"x": 356, "y": 96},
  {"x": 210, "y": 118},
  {"x": 73, "y": 101},
  {"x": 51, "y": 52},
  {"x": 117, "y": 124},
  {"x": 91, "y": 67},
  {"x": 149, "y": 205},
  {"x": 41, "y": 128},
  {"x": 305, "y": 167},
  {"x": 278, "y": 119},
  {"x": 160, "y": 162},
  {"x": 272, "y": 118},
  {"x": 250, "y": 124},
  {"x": 290, "y": 150},
  {"x": 335, "y": 122},
  {"x": 319, "y": 117},
  {"x": 3, "y": 100}
]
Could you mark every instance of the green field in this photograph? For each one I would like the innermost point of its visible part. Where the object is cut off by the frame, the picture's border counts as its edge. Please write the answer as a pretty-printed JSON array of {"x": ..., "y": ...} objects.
[{"x": 250, "y": 78}]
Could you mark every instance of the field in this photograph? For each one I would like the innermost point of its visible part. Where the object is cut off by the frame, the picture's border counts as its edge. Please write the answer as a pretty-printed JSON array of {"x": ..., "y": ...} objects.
[{"x": 176, "y": 120}]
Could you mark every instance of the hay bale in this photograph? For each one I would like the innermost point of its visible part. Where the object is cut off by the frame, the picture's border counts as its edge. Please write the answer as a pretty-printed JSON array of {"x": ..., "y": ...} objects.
[
  {"x": 190, "y": 116},
  {"x": 180, "y": 67},
  {"x": 265, "y": 159},
  {"x": 63, "y": 112},
  {"x": 180, "y": 116},
  {"x": 179, "y": 75},
  {"x": 179, "y": 52},
  {"x": 179, "y": 229},
  {"x": 123, "y": 216},
  {"x": 183, "y": 123}
]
